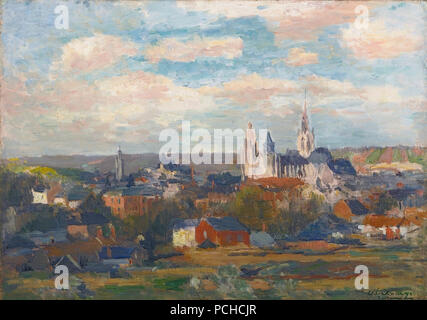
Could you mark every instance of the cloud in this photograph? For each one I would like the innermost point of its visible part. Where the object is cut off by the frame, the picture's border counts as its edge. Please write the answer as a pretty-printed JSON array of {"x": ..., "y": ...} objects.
[
  {"x": 379, "y": 42},
  {"x": 256, "y": 93},
  {"x": 251, "y": 88},
  {"x": 286, "y": 19},
  {"x": 280, "y": 97},
  {"x": 299, "y": 57},
  {"x": 152, "y": 91},
  {"x": 175, "y": 50},
  {"x": 93, "y": 53}
]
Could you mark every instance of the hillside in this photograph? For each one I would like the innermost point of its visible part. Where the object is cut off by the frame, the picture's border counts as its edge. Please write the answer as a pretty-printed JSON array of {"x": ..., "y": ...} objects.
[{"x": 398, "y": 158}]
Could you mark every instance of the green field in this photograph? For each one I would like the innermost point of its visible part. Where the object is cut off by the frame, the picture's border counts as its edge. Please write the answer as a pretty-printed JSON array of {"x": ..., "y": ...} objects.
[{"x": 395, "y": 272}]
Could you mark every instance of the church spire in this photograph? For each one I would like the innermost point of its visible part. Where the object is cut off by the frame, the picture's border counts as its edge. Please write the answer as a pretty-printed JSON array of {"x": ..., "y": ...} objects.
[
  {"x": 305, "y": 141},
  {"x": 304, "y": 120}
]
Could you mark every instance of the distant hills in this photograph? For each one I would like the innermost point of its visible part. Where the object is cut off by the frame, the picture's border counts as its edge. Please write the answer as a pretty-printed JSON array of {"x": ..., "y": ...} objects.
[
  {"x": 363, "y": 159},
  {"x": 385, "y": 158}
]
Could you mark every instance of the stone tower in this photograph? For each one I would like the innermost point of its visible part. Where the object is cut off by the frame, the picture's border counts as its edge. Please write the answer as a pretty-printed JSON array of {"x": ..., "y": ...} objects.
[
  {"x": 259, "y": 161},
  {"x": 305, "y": 140},
  {"x": 120, "y": 166}
]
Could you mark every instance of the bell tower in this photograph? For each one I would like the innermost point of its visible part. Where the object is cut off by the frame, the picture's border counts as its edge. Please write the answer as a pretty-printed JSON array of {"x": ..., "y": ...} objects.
[{"x": 305, "y": 140}]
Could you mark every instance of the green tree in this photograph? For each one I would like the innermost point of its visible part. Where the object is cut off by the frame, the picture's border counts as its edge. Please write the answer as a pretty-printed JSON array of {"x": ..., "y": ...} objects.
[
  {"x": 15, "y": 188},
  {"x": 300, "y": 213},
  {"x": 250, "y": 208}
]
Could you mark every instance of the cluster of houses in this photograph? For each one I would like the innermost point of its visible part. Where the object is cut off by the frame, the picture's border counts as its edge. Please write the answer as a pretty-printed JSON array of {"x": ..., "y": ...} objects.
[
  {"x": 397, "y": 223},
  {"x": 212, "y": 232}
]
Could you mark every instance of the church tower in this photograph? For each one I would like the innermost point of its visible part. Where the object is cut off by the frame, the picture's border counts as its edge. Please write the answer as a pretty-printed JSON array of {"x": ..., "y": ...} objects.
[
  {"x": 120, "y": 166},
  {"x": 305, "y": 140}
]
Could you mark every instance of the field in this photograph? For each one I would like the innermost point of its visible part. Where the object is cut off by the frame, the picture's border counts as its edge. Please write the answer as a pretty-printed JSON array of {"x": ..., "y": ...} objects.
[{"x": 396, "y": 271}]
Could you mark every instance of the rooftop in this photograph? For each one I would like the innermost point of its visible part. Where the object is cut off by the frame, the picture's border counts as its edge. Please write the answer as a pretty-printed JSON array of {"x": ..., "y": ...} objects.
[{"x": 226, "y": 224}]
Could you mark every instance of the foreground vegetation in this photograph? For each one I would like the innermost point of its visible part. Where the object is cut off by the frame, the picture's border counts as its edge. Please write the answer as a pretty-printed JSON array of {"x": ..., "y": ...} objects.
[{"x": 395, "y": 273}]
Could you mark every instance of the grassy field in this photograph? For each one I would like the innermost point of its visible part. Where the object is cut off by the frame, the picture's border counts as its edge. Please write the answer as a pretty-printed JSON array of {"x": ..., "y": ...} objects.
[{"x": 395, "y": 272}]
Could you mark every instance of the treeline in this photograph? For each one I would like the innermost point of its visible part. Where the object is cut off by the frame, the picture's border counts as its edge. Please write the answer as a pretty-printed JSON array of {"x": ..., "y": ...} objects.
[{"x": 15, "y": 189}]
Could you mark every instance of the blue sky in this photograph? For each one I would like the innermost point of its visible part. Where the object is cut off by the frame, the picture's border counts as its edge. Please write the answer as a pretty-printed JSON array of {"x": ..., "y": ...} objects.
[{"x": 124, "y": 71}]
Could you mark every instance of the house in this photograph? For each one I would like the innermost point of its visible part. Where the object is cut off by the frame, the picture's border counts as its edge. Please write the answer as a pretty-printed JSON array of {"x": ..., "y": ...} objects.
[
  {"x": 184, "y": 233},
  {"x": 76, "y": 196},
  {"x": 47, "y": 238},
  {"x": 390, "y": 228},
  {"x": 224, "y": 231},
  {"x": 122, "y": 256},
  {"x": 350, "y": 210},
  {"x": 131, "y": 201},
  {"x": 40, "y": 194},
  {"x": 72, "y": 264},
  {"x": 81, "y": 226},
  {"x": 60, "y": 199},
  {"x": 327, "y": 227},
  {"x": 84, "y": 253}
]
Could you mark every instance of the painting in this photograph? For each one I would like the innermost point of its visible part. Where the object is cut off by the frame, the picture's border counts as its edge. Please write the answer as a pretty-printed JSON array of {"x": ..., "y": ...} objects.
[{"x": 199, "y": 150}]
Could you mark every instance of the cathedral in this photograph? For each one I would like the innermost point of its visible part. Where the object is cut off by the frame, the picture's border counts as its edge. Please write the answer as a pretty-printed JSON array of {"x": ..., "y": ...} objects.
[{"x": 307, "y": 162}]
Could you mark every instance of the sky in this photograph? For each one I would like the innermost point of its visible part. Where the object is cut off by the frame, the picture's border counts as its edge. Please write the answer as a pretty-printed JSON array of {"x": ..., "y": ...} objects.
[{"x": 124, "y": 71}]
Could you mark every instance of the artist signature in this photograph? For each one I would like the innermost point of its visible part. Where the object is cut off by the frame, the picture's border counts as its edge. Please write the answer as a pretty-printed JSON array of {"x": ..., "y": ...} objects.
[{"x": 392, "y": 294}]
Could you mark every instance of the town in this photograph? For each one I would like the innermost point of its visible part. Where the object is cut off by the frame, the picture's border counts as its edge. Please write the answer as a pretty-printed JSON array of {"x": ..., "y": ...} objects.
[{"x": 127, "y": 216}]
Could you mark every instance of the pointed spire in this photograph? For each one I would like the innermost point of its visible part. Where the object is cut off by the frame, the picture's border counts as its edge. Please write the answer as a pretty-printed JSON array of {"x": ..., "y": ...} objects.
[
  {"x": 305, "y": 101},
  {"x": 304, "y": 120}
]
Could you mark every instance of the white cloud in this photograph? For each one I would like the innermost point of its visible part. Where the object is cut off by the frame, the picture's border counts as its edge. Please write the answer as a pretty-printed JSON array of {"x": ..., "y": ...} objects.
[
  {"x": 93, "y": 53},
  {"x": 175, "y": 50},
  {"x": 380, "y": 42}
]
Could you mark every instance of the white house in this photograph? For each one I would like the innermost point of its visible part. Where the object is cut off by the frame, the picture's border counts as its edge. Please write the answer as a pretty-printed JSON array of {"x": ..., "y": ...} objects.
[
  {"x": 60, "y": 199},
  {"x": 184, "y": 233},
  {"x": 39, "y": 194}
]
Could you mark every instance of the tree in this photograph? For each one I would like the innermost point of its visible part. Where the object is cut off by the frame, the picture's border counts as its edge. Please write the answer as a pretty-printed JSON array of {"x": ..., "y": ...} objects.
[
  {"x": 385, "y": 202},
  {"x": 297, "y": 216},
  {"x": 250, "y": 208},
  {"x": 94, "y": 203}
]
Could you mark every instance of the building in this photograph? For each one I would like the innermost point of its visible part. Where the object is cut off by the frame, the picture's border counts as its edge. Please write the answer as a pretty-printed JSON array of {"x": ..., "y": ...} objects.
[
  {"x": 122, "y": 256},
  {"x": 133, "y": 201},
  {"x": 313, "y": 165},
  {"x": 76, "y": 196},
  {"x": 259, "y": 161},
  {"x": 120, "y": 165},
  {"x": 60, "y": 199},
  {"x": 226, "y": 231},
  {"x": 40, "y": 194},
  {"x": 184, "y": 233},
  {"x": 305, "y": 140},
  {"x": 390, "y": 228},
  {"x": 350, "y": 209},
  {"x": 84, "y": 225}
]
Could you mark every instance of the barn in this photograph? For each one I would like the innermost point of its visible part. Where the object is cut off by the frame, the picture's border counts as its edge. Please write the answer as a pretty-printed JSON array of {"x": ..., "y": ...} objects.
[{"x": 225, "y": 231}]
